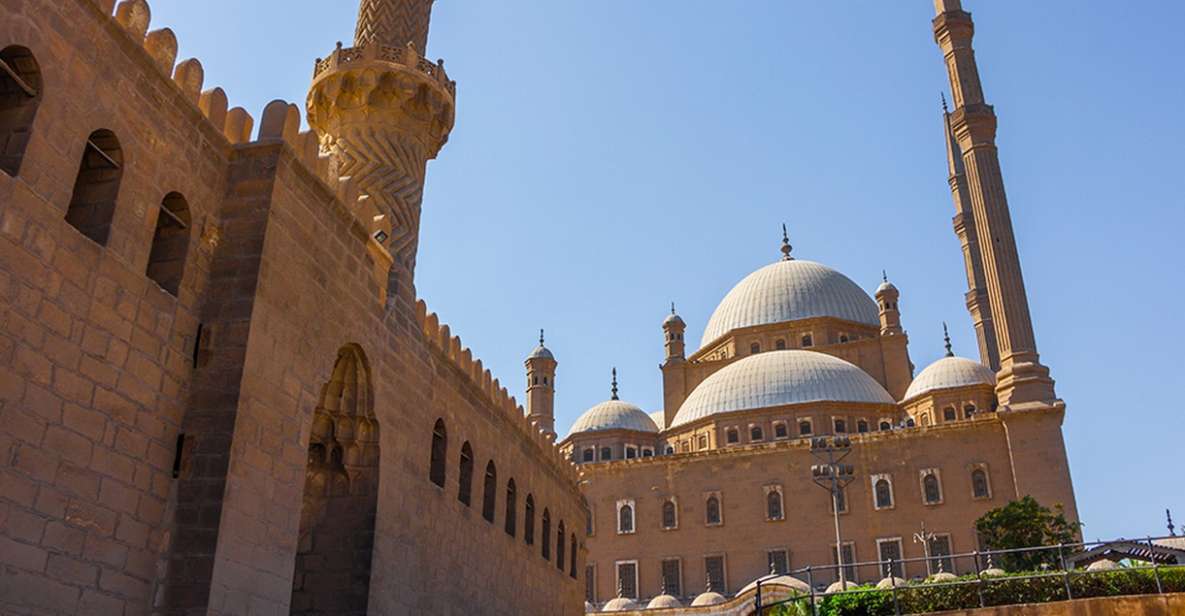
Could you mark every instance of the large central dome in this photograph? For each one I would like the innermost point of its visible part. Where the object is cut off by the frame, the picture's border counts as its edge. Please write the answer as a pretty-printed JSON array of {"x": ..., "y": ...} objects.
[
  {"x": 787, "y": 291},
  {"x": 777, "y": 378}
]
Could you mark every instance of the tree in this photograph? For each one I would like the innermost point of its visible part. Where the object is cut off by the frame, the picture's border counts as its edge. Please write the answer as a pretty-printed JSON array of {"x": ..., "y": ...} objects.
[{"x": 1025, "y": 523}]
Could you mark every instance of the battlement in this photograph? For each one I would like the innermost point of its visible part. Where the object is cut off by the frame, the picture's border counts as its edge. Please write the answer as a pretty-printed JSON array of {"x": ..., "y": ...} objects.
[
  {"x": 407, "y": 57},
  {"x": 441, "y": 337}
]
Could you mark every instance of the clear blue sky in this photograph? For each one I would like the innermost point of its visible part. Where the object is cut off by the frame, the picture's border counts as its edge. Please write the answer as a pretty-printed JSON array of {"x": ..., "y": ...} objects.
[{"x": 611, "y": 156}]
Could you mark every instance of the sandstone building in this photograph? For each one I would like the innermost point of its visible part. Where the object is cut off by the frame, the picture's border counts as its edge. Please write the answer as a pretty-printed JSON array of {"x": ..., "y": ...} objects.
[{"x": 219, "y": 393}]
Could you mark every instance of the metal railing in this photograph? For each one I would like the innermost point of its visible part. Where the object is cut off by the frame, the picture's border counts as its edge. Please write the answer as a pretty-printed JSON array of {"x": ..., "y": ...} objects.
[{"x": 985, "y": 571}]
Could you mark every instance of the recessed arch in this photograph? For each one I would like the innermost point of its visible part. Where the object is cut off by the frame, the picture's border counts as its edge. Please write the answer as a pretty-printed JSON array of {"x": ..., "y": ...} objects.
[
  {"x": 170, "y": 243},
  {"x": 20, "y": 97},
  {"x": 92, "y": 204}
]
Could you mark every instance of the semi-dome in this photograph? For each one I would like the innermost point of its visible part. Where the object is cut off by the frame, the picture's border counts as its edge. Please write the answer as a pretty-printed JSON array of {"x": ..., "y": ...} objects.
[
  {"x": 950, "y": 372},
  {"x": 790, "y": 290},
  {"x": 614, "y": 415},
  {"x": 659, "y": 418},
  {"x": 777, "y": 378}
]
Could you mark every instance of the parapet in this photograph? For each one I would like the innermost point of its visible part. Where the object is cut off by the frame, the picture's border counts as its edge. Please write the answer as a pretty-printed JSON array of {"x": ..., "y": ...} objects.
[{"x": 441, "y": 337}]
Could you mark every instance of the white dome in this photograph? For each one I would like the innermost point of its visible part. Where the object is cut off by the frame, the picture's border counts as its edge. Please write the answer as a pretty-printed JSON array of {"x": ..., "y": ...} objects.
[
  {"x": 614, "y": 415},
  {"x": 620, "y": 604},
  {"x": 789, "y": 291},
  {"x": 837, "y": 587},
  {"x": 541, "y": 352},
  {"x": 776, "y": 378},
  {"x": 662, "y": 601},
  {"x": 708, "y": 598},
  {"x": 793, "y": 583},
  {"x": 950, "y": 372},
  {"x": 659, "y": 418}
]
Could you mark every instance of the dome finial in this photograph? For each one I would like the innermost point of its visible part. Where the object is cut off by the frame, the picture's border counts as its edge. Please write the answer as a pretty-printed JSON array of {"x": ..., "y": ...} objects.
[
  {"x": 614, "y": 385},
  {"x": 540, "y": 336},
  {"x": 708, "y": 586},
  {"x": 786, "y": 247},
  {"x": 620, "y": 590},
  {"x": 672, "y": 307},
  {"x": 946, "y": 337},
  {"x": 884, "y": 276},
  {"x": 942, "y": 95}
]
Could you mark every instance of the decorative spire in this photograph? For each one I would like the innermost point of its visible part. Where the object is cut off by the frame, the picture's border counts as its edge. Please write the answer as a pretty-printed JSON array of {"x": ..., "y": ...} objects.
[
  {"x": 1168, "y": 514},
  {"x": 884, "y": 276},
  {"x": 944, "y": 107},
  {"x": 663, "y": 589},
  {"x": 614, "y": 385},
  {"x": 946, "y": 337},
  {"x": 708, "y": 586},
  {"x": 672, "y": 307},
  {"x": 786, "y": 247},
  {"x": 540, "y": 336}
]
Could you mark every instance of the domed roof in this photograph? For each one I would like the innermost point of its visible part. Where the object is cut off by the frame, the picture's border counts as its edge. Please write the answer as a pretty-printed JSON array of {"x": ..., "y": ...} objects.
[
  {"x": 614, "y": 415},
  {"x": 790, "y": 290},
  {"x": 708, "y": 598},
  {"x": 950, "y": 372},
  {"x": 663, "y": 600},
  {"x": 776, "y": 378},
  {"x": 885, "y": 287},
  {"x": 620, "y": 604},
  {"x": 541, "y": 352},
  {"x": 672, "y": 319},
  {"x": 659, "y": 418}
]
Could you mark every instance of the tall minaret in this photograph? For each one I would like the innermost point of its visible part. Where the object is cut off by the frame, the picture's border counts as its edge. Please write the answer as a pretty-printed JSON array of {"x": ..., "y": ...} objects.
[
  {"x": 382, "y": 112},
  {"x": 541, "y": 366},
  {"x": 1022, "y": 379},
  {"x": 964, "y": 222}
]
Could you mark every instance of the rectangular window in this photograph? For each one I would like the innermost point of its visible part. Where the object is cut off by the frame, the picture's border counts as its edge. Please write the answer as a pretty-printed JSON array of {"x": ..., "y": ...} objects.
[
  {"x": 778, "y": 561},
  {"x": 849, "y": 558},
  {"x": 631, "y": 453},
  {"x": 804, "y": 427},
  {"x": 672, "y": 576},
  {"x": 627, "y": 578},
  {"x": 590, "y": 583},
  {"x": 780, "y": 430},
  {"x": 889, "y": 550},
  {"x": 703, "y": 441},
  {"x": 714, "y": 565},
  {"x": 940, "y": 559}
]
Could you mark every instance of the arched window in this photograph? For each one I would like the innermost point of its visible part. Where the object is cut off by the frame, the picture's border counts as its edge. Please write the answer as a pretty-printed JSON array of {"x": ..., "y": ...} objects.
[
  {"x": 948, "y": 414},
  {"x": 572, "y": 557},
  {"x": 546, "y": 534},
  {"x": 884, "y": 494},
  {"x": 490, "y": 492},
  {"x": 92, "y": 205},
  {"x": 808, "y": 341},
  {"x": 669, "y": 516},
  {"x": 625, "y": 519},
  {"x": 780, "y": 344},
  {"x": 712, "y": 510},
  {"x": 886, "y": 425},
  {"x": 979, "y": 484},
  {"x": 20, "y": 95},
  {"x": 529, "y": 521},
  {"x": 439, "y": 451},
  {"x": 170, "y": 243},
  {"x": 732, "y": 435},
  {"x": 755, "y": 348},
  {"x": 589, "y": 454},
  {"x": 861, "y": 426},
  {"x": 511, "y": 507},
  {"x": 703, "y": 441},
  {"x": 670, "y": 450},
  {"x": 804, "y": 428},
  {"x": 930, "y": 489},
  {"x": 559, "y": 546},
  {"x": 841, "y": 426},
  {"x": 969, "y": 411},
  {"x": 606, "y": 453},
  {"x": 843, "y": 338},
  {"x": 909, "y": 423},
  {"x": 780, "y": 430},
  {"x": 631, "y": 452},
  {"x": 756, "y": 433},
  {"x": 773, "y": 505},
  {"x": 465, "y": 483}
]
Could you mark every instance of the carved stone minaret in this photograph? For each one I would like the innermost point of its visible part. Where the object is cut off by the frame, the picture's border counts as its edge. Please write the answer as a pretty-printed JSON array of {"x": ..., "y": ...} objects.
[
  {"x": 964, "y": 222},
  {"x": 1022, "y": 379},
  {"x": 541, "y": 365},
  {"x": 382, "y": 112}
]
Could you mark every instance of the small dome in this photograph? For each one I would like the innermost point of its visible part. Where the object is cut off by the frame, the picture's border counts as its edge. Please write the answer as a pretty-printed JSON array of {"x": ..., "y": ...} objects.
[
  {"x": 837, "y": 587},
  {"x": 941, "y": 576},
  {"x": 950, "y": 372},
  {"x": 789, "y": 291},
  {"x": 793, "y": 583},
  {"x": 1102, "y": 565},
  {"x": 708, "y": 598},
  {"x": 672, "y": 319},
  {"x": 890, "y": 582},
  {"x": 541, "y": 352},
  {"x": 663, "y": 600},
  {"x": 886, "y": 287},
  {"x": 659, "y": 418},
  {"x": 620, "y": 604},
  {"x": 614, "y": 415},
  {"x": 776, "y": 378},
  {"x": 993, "y": 572}
]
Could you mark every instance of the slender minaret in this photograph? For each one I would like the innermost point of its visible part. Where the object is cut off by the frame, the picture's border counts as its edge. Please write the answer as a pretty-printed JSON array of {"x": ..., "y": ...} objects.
[
  {"x": 964, "y": 223},
  {"x": 382, "y": 112},
  {"x": 672, "y": 329},
  {"x": 1022, "y": 379},
  {"x": 541, "y": 366},
  {"x": 886, "y": 300}
]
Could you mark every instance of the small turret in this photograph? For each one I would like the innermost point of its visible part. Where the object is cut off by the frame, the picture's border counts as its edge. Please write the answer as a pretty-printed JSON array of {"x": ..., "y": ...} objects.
[
  {"x": 541, "y": 366},
  {"x": 886, "y": 299},
  {"x": 672, "y": 329}
]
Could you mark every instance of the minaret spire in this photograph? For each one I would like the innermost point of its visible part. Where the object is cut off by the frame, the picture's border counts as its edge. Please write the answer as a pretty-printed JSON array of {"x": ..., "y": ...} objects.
[
  {"x": 946, "y": 337},
  {"x": 1021, "y": 379},
  {"x": 393, "y": 23},
  {"x": 614, "y": 385},
  {"x": 786, "y": 247}
]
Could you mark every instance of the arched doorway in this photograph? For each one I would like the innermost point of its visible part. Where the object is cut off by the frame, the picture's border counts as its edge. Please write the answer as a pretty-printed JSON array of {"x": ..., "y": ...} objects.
[{"x": 333, "y": 556}]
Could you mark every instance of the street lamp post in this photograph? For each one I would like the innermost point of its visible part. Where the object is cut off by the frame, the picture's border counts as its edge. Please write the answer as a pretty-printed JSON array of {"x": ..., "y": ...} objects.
[{"x": 833, "y": 476}]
